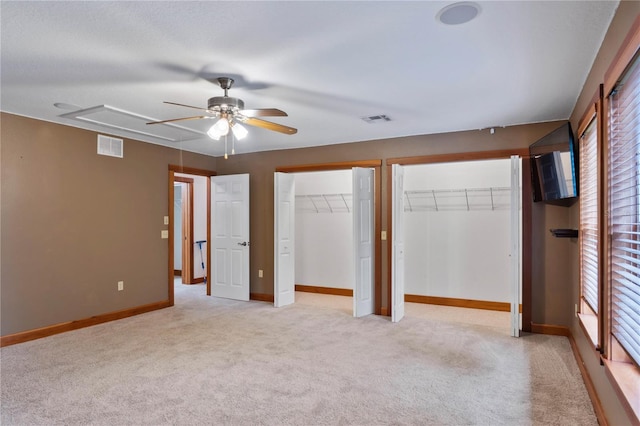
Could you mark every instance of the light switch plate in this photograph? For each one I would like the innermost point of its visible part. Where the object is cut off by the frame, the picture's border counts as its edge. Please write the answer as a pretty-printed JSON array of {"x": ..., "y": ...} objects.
[
  {"x": 164, "y": 234},
  {"x": 383, "y": 235},
  {"x": 166, "y": 220}
]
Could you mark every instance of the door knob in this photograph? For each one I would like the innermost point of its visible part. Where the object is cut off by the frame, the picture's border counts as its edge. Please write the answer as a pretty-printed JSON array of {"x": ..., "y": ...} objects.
[{"x": 244, "y": 244}]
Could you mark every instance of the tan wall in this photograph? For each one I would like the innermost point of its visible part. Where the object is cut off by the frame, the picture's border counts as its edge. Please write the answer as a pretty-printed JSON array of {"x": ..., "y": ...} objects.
[
  {"x": 552, "y": 269},
  {"x": 627, "y": 13},
  {"x": 82, "y": 222},
  {"x": 551, "y": 287},
  {"x": 75, "y": 223}
]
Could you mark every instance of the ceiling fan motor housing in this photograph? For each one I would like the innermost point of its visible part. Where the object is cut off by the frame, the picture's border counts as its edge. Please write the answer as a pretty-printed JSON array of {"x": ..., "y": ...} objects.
[{"x": 225, "y": 103}]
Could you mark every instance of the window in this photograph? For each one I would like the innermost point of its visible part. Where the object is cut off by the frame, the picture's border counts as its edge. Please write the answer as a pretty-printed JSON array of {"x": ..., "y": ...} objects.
[
  {"x": 589, "y": 226},
  {"x": 622, "y": 308},
  {"x": 589, "y": 215},
  {"x": 624, "y": 207}
]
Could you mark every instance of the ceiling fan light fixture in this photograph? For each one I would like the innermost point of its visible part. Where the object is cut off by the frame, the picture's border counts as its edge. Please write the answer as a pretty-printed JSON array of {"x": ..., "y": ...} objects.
[
  {"x": 239, "y": 131},
  {"x": 220, "y": 128},
  {"x": 222, "y": 125},
  {"x": 213, "y": 134}
]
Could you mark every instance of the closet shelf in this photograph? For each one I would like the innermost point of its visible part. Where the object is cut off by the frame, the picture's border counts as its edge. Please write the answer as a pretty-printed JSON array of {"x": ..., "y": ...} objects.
[
  {"x": 324, "y": 203},
  {"x": 492, "y": 198}
]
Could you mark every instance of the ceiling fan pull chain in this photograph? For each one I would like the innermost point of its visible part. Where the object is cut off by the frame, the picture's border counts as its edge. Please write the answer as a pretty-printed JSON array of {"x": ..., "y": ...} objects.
[
  {"x": 233, "y": 144},
  {"x": 225, "y": 147}
]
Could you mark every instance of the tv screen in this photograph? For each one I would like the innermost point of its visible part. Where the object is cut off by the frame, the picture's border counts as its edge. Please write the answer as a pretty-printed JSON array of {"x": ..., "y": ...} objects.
[{"x": 554, "y": 167}]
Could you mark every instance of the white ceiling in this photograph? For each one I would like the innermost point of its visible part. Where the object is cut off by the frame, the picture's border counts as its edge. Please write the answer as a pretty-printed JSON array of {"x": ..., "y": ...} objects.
[{"x": 327, "y": 64}]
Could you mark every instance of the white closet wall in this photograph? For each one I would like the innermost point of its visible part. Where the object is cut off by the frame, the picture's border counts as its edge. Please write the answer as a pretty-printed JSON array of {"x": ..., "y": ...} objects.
[
  {"x": 324, "y": 229},
  {"x": 457, "y": 241}
]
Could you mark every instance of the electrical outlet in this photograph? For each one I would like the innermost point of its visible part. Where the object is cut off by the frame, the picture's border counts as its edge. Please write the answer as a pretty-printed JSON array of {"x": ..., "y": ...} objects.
[
  {"x": 260, "y": 273},
  {"x": 120, "y": 285},
  {"x": 164, "y": 234}
]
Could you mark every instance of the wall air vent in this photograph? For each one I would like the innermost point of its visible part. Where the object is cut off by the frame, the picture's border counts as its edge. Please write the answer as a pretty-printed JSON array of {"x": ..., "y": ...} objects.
[
  {"x": 376, "y": 118},
  {"x": 113, "y": 147}
]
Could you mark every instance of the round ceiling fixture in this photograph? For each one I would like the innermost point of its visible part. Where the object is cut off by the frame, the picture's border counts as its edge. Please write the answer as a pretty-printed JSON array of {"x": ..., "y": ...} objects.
[{"x": 458, "y": 13}]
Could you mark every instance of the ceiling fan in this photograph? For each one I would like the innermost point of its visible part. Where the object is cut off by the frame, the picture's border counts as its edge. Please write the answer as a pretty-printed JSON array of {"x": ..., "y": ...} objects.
[{"x": 229, "y": 113}]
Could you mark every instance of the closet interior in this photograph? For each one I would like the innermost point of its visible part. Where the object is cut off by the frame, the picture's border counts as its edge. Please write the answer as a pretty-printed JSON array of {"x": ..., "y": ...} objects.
[
  {"x": 457, "y": 230},
  {"x": 324, "y": 230}
]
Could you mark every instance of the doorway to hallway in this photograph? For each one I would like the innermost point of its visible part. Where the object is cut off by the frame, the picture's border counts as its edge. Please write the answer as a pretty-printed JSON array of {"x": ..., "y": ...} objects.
[{"x": 195, "y": 227}]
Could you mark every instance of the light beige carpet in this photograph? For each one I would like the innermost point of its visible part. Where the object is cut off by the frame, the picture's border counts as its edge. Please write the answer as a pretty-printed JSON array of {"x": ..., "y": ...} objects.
[
  {"x": 216, "y": 361},
  {"x": 495, "y": 319}
]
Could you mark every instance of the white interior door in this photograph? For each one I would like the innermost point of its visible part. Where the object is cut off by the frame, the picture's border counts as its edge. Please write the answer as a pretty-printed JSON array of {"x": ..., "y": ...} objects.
[
  {"x": 284, "y": 239},
  {"x": 230, "y": 236},
  {"x": 515, "y": 246},
  {"x": 397, "y": 245},
  {"x": 363, "y": 238}
]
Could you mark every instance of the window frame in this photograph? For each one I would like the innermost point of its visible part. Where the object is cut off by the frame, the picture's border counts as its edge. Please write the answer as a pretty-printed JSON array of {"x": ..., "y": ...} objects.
[
  {"x": 590, "y": 320},
  {"x": 623, "y": 374},
  {"x": 627, "y": 182}
]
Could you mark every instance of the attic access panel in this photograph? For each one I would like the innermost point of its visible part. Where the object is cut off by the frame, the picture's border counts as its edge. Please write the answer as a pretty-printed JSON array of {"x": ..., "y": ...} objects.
[{"x": 121, "y": 120}]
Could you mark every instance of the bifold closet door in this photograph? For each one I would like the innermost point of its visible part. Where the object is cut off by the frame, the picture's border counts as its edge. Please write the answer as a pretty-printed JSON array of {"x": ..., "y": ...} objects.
[
  {"x": 284, "y": 239},
  {"x": 397, "y": 244},
  {"x": 515, "y": 246},
  {"x": 363, "y": 240}
]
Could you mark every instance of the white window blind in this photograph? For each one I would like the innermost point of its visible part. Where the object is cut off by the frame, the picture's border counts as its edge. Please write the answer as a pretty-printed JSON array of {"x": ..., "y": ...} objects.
[
  {"x": 589, "y": 215},
  {"x": 624, "y": 207}
]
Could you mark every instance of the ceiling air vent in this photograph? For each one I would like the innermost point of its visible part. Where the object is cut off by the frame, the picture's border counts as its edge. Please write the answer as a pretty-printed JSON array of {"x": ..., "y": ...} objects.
[
  {"x": 110, "y": 146},
  {"x": 376, "y": 119}
]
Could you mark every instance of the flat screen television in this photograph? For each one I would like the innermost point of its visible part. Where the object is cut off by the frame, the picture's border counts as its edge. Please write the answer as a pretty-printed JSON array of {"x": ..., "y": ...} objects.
[{"x": 554, "y": 167}]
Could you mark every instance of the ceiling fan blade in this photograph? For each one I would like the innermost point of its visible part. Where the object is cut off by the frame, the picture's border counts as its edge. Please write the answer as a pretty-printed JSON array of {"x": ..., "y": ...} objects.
[
  {"x": 269, "y": 125},
  {"x": 196, "y": 117},
  {"x": 183, "y": 105},
  {"x": 264, "y": 112}
]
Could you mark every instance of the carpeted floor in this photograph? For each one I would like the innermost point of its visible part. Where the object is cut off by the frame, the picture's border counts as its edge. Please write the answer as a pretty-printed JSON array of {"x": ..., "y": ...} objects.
[{"x": 217, "y": 361}]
